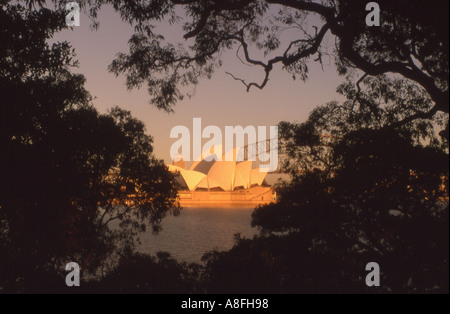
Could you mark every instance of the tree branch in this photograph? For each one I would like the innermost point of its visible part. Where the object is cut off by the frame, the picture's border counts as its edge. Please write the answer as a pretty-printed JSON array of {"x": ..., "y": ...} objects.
[
  {"x": 201, "y": 23},
  {"x": 285, "y": 59},
  {"x": 346, "y": 46},
  {"x": 440, "y": 97}
]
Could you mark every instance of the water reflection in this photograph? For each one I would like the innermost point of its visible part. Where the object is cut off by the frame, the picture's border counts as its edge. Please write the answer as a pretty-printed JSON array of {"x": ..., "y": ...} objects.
[{"x": 197, "y": 231}]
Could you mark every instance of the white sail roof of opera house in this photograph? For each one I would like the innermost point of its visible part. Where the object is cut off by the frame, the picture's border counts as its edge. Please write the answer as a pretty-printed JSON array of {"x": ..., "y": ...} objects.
[
  {"x": 192, "y": 178},
  {"x": 208, "y": 173}
]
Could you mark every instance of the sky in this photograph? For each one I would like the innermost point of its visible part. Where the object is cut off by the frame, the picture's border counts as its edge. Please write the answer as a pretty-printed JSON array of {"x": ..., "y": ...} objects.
[{"x": 221, "y": 101}]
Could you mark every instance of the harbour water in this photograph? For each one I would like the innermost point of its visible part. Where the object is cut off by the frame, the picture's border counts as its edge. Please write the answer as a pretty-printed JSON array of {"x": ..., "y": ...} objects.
[{"x": 197, "y": 231}]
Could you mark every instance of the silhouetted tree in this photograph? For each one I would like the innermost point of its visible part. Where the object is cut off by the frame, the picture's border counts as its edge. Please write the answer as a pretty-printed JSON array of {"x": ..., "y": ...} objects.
[
  {"x": 364, "y": 190},
  {"x": 76, "y": 185},
  {"x": 144, "y": 274},
  {"x": 278, "y": 264},
  {"x": 412, "y": 41}
]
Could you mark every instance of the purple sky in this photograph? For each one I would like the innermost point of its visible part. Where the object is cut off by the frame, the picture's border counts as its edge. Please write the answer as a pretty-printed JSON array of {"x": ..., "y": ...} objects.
[{"x": 220, "y": 101}]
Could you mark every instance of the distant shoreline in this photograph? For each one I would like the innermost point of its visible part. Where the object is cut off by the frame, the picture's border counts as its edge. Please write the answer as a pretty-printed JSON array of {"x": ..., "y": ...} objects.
[
  {"x": 233, "y": 205},
  {"x": 244, "y": 198}
]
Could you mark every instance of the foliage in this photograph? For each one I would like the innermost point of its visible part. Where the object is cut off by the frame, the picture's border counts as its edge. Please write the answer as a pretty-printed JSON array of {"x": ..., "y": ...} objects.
[
  {"x": 68, "y": 173},
  {"x": 145, "y": 274},
  {"x": 366, "y": 188},
  {"x": 280, "y": 264},
  {"x": 412, "y": 41}
]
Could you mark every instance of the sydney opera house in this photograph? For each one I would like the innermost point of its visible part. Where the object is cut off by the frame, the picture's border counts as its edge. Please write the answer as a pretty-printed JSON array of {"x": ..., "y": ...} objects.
[{"x": 210, "y": 182}]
